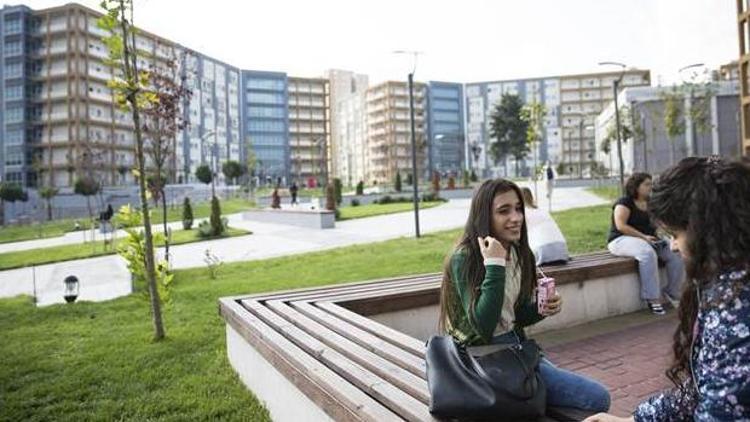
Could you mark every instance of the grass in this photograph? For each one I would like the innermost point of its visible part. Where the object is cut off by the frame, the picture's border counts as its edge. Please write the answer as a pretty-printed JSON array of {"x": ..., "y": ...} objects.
[
  {"x": 57, "y": 228},
  {"x": 95, "y": 361},
  {"x": 10, "y": 260},
  {"x": 361, "y": 211},
  {"x": 607, "y": 192}
]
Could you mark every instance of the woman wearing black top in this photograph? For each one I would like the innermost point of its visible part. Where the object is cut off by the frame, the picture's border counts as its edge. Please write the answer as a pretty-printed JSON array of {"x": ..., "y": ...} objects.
[{"x": 633, "y": 234}]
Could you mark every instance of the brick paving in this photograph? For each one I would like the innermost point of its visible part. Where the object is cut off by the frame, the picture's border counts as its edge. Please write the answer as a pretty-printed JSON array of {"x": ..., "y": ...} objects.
[{"x": 630, "y": 362}]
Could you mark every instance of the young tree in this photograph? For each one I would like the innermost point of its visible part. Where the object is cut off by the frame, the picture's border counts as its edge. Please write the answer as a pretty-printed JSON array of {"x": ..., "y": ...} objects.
[
  {"x": 360, "y": 188},
  {"x": 338, "y": 187},
  {"x": 10, "y": 192},
  {"x": 533, "y": 114},
  {"x": 130, "y": 88},
  {"x": 88, "y": 187},
  {"x": 187, "y": 214},
  {"x": 397, "y": 182},
  {"x": 508, "y": 130},
  {"x": 232, "y": 170},
  {"x": 251, "y": 163},
  {"x": 203, "y": 174},
  {"x": 163, "y": 120},
  {"x": 674, "y": 119},
  {"x": 47, "y": 193}
]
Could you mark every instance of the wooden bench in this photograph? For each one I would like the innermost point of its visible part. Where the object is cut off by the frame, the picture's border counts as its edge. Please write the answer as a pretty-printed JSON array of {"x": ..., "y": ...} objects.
[{"x": 318, "y": 354}]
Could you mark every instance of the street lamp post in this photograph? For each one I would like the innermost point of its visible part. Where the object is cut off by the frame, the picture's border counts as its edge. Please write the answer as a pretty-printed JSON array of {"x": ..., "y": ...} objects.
[
  {"x": 615, "y": 84},
  {"x": 415, "y": 186},
  {"x": 213, "y": 168},
  {"x": 692, "y": 145}
]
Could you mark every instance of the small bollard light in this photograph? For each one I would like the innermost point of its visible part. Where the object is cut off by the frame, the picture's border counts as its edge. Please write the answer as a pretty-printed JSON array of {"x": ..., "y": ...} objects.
[{"x": 71, "y": 288}]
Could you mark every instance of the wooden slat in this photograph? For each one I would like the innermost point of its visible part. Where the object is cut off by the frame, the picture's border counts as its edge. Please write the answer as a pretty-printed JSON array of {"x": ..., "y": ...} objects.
[
  {"x": 398, "y": 401},
  {"x": 384, "y": 332},
  {"x": 402, "y": 358},
  {"x": 370, "y": 290},
  {"x": 336, "y": 396},
  {"x": 382, "y": 367}
]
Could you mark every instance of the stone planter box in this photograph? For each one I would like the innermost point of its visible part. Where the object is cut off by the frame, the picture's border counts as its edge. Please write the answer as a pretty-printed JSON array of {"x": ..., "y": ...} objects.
[{"x": 312, "y": 219}]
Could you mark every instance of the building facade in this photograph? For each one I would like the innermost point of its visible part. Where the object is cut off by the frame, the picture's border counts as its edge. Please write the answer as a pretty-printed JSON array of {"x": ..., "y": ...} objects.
[
  {"x": 571, "y": 104},
  {"x": 59, "y": 118},
  {"x": 649, "y": 148},
  {"x": 389, "y": 132},
  {"x": 265, "y": 107},
  {"x": 309, "y": 129},
  {"x": 743, "y": 31},
  {"x": 445, "y": 114},
  {"x": 348, "y": 125}
]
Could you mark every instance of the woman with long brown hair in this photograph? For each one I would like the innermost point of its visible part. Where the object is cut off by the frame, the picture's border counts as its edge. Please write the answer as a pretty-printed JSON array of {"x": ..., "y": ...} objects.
[
  {"x": 487, "y": 294},
  {"x": 705, "y": 204}
]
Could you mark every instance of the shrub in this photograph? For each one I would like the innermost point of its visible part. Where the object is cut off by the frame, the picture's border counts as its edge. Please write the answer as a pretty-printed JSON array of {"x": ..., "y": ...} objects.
[
  {"x": 361, "y": 188},
  {"x": 187, "y": 214},
  {"x": 355, "y": 202}
]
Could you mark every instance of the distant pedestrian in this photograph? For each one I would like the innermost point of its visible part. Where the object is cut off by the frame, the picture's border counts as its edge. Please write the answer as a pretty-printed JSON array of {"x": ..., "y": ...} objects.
[{"x": 293, "y": 191}]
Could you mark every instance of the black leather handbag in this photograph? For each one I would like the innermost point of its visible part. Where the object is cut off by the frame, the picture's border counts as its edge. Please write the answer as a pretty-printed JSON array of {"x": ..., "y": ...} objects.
[{"x": 501, "y": 385}]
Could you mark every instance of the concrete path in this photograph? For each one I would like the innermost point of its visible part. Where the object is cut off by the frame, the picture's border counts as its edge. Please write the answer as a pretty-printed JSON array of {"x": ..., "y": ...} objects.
[{"x": 274, "y": 240}]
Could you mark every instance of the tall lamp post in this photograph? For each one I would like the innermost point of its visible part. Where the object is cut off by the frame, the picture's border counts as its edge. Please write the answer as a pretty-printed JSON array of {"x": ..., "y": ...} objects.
[
  {"x": 415, "y": 186},
  {"x": 615, "y": 84},
  {"x": 691, "y": 146},
  {"x": 213, "y": 169}
]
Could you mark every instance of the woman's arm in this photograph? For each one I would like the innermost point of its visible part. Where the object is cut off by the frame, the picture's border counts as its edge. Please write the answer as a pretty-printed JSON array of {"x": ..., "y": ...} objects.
[
  {"x": 621, "y": 215},
  {"x": 489, "y": 302}
]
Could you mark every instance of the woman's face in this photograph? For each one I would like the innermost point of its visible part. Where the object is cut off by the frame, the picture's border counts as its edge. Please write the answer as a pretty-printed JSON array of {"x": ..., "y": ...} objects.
[
  {"x": 644, "y": 189},
  {"x": 507, "y": 217}
]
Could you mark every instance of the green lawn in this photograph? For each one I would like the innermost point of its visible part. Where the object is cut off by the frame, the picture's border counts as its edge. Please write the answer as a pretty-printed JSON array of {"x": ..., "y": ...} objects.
[
  {"x": 95, "y": 361},
  {"x": 57, "y": 228},
  {"x": 607, "y": 192},
  {"x": 52, "y": 254},
  {"x": 348, "y": 213}
]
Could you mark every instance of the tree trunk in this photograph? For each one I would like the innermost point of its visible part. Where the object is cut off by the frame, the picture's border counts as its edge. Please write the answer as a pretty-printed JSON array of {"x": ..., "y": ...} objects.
[
  {"x": 165, "y": 225},
  {"x": 49, "y": 209},
  {"x": 131, "y": 74}
]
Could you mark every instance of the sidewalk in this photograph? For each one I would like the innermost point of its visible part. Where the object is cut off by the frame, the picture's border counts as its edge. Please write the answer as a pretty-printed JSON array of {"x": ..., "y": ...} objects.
[{"x": 628, "y": 354}]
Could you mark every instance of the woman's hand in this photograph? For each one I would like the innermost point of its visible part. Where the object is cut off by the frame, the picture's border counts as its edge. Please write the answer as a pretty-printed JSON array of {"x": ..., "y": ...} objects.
[
  {"x": 553, "y": 306},
  {"x": 650, "y": 239},
  {"x": 491, "y": 248},
  {"x": 605, "y": 417}
]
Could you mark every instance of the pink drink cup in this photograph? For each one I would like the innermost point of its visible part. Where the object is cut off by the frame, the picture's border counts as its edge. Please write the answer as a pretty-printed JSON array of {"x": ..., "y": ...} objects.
[{"x": 545, "y": 291}]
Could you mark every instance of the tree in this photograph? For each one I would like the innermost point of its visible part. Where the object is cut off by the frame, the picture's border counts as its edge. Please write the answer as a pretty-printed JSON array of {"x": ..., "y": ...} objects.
[
  {"x": 330, "y": 197},
  {"x": 10, "y": 192},
  {"x": 338, "y": 187},
  {"x": 203, "y": 173},
  {"x": 508, "y": 130},
  {"x": 409, "y": 178},
  {"x": 465, "y": 178},
  {"x": 47, "y": 193},
  {"x": 162, "y": 121},
  {"x": 187, "y": 214},
  {"x": 436, "y": 183},
  {"x": 88, "y": 187},
  {"x": 397, "y": 183},
  {"x": 474, "y": 177},
  {"x": 232, "y": 170},
  {"x": 217, "y": 226},
  {"x": 251, "y": 163},
  {"x": 360, "y": 188},
  {"x": 533, "y": 114},
  {"x": 674, "y": 119},
  {"x": 130, "y": 91}
]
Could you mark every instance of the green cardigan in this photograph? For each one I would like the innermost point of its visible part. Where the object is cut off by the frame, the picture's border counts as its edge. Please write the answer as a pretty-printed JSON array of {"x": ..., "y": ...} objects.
[{"x": 477, "y": 329}]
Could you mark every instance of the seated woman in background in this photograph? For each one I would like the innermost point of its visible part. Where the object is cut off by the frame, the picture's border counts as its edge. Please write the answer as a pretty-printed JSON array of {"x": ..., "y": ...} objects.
[
  {"x": 633, "y": 234},
  {"x": 545, "y": 238}
]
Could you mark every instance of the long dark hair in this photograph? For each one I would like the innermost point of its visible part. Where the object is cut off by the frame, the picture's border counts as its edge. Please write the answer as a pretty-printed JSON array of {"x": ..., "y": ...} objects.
[
  {"x": 479, "y": 224},
  {"x": 634, "y": 182},
  {"x": 707, "y": 198}
]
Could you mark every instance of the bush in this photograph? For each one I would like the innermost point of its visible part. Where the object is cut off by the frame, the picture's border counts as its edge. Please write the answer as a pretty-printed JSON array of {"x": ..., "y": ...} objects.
[
  {"x": 203, "y": 174},
  {"x": 397, "y": 183},
  {"x": 361, "y": 188},
  {"x": 474, "y": 177},
  {"x": 432, "y": 197},
  {"x": 387, "y": 199},
  {"x": 465, "y": 179},
  {"x": 337, "y": 186},
  {"x": 217, "y": 226},
  {"x": 330, "y": 197},
  {"x": 187, "y": 214},
  {"x": 355, "y": 202},
  {"x": 409, "y": 179}
]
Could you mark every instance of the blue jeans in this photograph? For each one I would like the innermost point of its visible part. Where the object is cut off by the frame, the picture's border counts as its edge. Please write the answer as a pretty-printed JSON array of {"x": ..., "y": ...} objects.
[
  {"x": 648, "y": 265},
  {"x": 565, "y": 388}
]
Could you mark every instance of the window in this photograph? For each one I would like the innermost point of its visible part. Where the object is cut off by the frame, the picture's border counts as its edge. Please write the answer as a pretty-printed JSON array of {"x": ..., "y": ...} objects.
[
  {"x": 445, "y": 116},
  {"x": 268, "y": 84},
  {"x": 12, "y": 26},
  {"x": 14, "y": 137},
  {"x": 13, "y": 93},
  {"x": 445, "y": 92},
  {"x": 263, "y": 98},
  {"x": 446, "y": 127},
  {"x": 445, "y": 105},
  {"x": 266, "y": 126},
  {"x": 14, "y": 176},
  {"x": 12, "y": 48},
  {"x": 14, "y": 159},
  {"x": 275, "y": 112},
  {"x": 268, "y": 140},
  {"x": 13, "y": 70},
  {"x": 14, "y": 115}
]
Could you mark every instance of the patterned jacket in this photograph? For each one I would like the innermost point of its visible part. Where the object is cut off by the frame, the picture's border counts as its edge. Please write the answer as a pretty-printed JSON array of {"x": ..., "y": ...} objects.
[{"x": 720, "y": 390}]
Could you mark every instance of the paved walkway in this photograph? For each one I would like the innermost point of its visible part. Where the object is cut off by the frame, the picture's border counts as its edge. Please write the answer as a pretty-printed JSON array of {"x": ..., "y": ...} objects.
[
  {"x": 630, "y": 361},
  {"x": 267, "y": 241}
]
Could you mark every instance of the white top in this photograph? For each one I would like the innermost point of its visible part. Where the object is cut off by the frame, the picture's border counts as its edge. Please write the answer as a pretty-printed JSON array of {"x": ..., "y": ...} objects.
[
  {"x": 512, "y": 290},
  {"x": 545, "y": 238}
]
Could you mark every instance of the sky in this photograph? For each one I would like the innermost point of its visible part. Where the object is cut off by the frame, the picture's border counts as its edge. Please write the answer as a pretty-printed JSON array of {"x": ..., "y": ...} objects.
[{"x": 459, "y": 41}]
